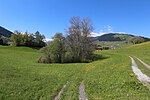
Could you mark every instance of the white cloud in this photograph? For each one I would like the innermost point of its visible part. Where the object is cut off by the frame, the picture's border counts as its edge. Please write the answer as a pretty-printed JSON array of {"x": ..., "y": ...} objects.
[
  {"x": 105, "y": 30},
  {"x": 47, "y": 40},
  {"x": 122, "y": 32},
  {"x": 94, "y": 34}
]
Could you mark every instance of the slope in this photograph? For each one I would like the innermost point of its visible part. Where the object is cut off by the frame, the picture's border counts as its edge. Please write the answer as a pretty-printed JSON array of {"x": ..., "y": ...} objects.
[
  {"x": 110, "y": 77},
  {"x": 4, "y": 32}
]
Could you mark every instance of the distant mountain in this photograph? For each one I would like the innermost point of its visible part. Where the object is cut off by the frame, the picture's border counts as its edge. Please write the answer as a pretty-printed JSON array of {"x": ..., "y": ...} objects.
[
  {"x": 117, "y": 37},
  {"x": 4, "y": 32}
]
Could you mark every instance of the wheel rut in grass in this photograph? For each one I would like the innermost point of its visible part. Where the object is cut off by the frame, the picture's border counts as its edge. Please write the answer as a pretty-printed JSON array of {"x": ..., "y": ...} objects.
[
  {"x": 57, "y": 97},
  {"x": 82, "y": 95},
  {"x": 146, "y": 65},
  {"x": 141, "y": 77}
]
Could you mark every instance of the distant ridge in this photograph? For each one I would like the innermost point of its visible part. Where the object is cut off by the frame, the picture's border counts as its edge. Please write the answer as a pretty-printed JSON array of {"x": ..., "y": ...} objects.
[
  {"x": 117, "y": 37},
  {"x": 5, "y": 32}
]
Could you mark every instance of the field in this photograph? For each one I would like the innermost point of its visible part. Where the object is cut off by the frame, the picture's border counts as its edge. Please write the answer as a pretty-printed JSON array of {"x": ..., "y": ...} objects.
[
  {"x": 111, "y": 77},
  {"x": 113, "y": 44},
  {"x": 141, "y": 51}
]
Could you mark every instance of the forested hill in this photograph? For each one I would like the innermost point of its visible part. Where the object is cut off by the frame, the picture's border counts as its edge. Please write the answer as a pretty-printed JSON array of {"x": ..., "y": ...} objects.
[
  {"x": 4, "y": 32},
  {"x": 118, "y": 37}
]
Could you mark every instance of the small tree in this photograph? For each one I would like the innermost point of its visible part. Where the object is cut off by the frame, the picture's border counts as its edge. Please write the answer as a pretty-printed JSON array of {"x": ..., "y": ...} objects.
[
  {"x": 39, "y": 37},
  {"x": 16, "y": 38},
  {"x": 55, "y": 50},
  {"x": 59, "y": 47}
]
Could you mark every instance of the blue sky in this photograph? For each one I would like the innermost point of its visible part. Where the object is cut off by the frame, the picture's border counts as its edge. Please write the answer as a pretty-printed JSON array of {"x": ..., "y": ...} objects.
[{"x": 51, "y": 16}]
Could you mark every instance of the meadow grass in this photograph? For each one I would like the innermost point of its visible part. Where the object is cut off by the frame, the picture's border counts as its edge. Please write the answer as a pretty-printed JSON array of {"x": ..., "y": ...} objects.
[
  {"x": 113, "y": 78},
  {"x": 142, "y": 68},
  {"x": 22, "y": 78},
  {"x": 110, "y": 78},
  {"x": 141, "y": 51},
  {"x": 114, "y": 43}
]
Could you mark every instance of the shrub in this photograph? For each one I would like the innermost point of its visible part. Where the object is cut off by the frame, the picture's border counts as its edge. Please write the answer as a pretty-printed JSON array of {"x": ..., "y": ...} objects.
[{"x": 44, "y": 59}]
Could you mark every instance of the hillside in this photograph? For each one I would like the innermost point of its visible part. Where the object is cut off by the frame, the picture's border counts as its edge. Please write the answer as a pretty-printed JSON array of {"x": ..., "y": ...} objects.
[
  {"x": 4, "y": 32},
  {"x": 118, "y": 40},
  {"x": 118, "y": 37},
  {"x": 111, "y": 77},
  {"x": 139, "y": 50}
]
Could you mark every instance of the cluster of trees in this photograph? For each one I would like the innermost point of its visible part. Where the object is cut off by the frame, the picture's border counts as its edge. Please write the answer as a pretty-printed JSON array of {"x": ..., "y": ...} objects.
[
  {"x": 77, "y": 46},
  {"x": 27, "y": 39},
  {"x": 99, "y": 47},
  {"x": 136, "y": 40},
  {"x": 4, "y": 40}
]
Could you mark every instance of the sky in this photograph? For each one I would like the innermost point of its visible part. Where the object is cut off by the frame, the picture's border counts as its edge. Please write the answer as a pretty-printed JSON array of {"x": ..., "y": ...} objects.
[{"x": 51, "y": 16}]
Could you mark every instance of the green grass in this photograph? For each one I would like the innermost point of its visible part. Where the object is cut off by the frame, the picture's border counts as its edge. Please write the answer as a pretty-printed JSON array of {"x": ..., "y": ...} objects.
[
  {"x": 22, "y": 78},
  {"x": 142, "y": 68},
  {"x": 113, "y": 44},
  {"x": 141, "y": 51},
  {"x": 110, "y": 78},
  {"x": 113, "y": 79}
]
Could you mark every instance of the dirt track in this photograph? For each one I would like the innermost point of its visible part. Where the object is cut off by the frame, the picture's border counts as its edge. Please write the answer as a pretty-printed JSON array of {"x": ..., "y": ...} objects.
[
  {"x": 142, "y": 77},
  {"x": 82, "y": 95}
]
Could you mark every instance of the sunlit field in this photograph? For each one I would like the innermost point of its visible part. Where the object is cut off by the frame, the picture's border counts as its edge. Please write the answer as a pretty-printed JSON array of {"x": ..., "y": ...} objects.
[{"x": 110, "y": 77}]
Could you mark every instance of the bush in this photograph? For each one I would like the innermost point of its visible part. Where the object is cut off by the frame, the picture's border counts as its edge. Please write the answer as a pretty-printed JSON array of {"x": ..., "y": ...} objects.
[
  {"x": 44, "y": 59},
  {"x": 106, "y": 48}
]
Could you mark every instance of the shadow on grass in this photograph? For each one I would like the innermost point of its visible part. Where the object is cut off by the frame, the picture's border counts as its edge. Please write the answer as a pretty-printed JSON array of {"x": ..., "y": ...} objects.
[
  {"x": 96, "y": 57},
  {"x": 71, "y": 60},
  {"x": 36, "y": 48}
]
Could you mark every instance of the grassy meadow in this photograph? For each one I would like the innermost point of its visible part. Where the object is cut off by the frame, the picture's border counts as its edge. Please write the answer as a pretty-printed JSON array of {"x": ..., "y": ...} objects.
[
  {"x": 113, "y": 44},
  {"x": 22, "y": 78},
  {"x": 141, "y": 51},
  {"x": 108, "y": 78},
  {"x": 113, "y": 78}
]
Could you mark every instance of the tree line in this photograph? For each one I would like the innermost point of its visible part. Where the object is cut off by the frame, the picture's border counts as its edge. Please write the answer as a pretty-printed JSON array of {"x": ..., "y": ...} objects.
[
  {"x": 27, "y": 39},
  {"x": 23, "y": 39}
]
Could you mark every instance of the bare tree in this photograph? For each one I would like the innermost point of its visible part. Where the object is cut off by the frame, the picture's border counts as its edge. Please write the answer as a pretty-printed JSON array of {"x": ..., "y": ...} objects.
[{"x": 78, "y": 38}]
